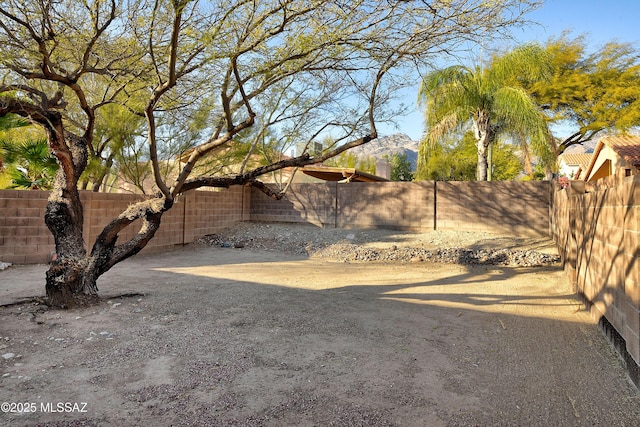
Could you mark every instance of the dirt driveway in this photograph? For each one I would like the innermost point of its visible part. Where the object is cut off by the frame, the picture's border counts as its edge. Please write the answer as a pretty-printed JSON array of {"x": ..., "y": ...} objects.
[{"x": 221, "y": 336}]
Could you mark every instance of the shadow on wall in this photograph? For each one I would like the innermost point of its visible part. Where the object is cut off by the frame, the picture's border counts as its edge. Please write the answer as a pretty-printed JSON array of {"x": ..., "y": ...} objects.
[
  {"x": 516, "y": 208},
  {"x": 509, "y": 207},
  {"x": 303, "y": 203},
  {"x": 597, "y": 237}
]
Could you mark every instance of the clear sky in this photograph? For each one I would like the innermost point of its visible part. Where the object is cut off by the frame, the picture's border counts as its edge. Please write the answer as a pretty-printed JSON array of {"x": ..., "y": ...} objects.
[{"x": 600, "y": 20}]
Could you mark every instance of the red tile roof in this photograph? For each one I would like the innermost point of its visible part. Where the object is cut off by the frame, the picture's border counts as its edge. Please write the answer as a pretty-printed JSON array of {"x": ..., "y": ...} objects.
[{"x": 626, "y": 146}]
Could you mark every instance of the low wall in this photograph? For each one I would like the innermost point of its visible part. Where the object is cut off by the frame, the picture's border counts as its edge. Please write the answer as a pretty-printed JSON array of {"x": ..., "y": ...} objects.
[
  {"x": 515, "y": 208},
  {"x": 25, "y": 239},
  {"x": 597, "y": 233}
]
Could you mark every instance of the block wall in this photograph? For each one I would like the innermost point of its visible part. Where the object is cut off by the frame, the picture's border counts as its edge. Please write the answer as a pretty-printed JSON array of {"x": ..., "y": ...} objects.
[
  {"x": 25, "y": 239},
  {"x": 517, "y": 208},
  {"x": 392, "y": 205},
  {"x": 506, "y": 207},
  {"x": 597, "y": 233},
  {"x": 303, "y": 203}
]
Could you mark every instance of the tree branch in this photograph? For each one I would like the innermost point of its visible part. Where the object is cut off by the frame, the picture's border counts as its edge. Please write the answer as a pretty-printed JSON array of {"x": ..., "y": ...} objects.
[{"x": 241, "y": 179}]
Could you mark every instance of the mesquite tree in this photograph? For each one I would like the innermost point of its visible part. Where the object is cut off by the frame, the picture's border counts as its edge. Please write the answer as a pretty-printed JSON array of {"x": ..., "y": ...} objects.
[{"x": 295, "y": 71}]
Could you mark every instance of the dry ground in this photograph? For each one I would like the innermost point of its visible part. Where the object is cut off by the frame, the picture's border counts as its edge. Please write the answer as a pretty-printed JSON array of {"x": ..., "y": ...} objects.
[{"x": 223, "y": 336}]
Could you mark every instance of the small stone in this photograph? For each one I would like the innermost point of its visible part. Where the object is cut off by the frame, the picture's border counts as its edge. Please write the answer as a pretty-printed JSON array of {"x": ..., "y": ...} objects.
[{"x": 8, "y": 356}]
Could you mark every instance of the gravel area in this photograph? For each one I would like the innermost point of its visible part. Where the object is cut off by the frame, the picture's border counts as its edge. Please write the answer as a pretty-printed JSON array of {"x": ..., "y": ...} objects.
[
  {"x": 446, "y": 246},
  {"x": 263, "y": 335}
]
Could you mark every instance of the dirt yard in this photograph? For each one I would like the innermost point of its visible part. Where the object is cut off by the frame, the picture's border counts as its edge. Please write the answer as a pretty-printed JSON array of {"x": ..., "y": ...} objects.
[{"x": 261, "y": 334}]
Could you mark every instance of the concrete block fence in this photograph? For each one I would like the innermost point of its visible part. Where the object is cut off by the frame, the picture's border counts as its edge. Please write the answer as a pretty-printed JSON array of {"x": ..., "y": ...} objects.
[
  {"x": 25, "y": 239},
  {"x": 513, "y": 208},
  {"x": 597, "y": 234},
  {"x": 501, "y": 207}
]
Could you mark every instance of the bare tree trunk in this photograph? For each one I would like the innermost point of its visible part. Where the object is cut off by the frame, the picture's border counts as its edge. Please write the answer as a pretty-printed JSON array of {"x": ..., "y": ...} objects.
[{"x": 482, "y": 133}]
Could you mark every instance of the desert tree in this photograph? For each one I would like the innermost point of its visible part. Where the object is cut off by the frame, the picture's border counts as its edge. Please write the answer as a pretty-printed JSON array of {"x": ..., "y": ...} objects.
[
  {"x": 591, "y": 91},
  {"x": 491, "y": 98},
  {"x": 64, "y": 62}
]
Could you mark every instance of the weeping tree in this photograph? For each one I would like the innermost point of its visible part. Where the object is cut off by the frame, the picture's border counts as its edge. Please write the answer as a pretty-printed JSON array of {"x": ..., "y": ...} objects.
[
  {"x": 591, "y": 91},
  {"x": 64, "y": 63},
  {"x": 491, "y": 99}
]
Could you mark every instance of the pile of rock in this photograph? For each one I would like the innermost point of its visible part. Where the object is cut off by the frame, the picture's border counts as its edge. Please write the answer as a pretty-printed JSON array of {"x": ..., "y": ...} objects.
[
  {"x": 356, "y": 246},
  {"x": 507, "y": 257}
]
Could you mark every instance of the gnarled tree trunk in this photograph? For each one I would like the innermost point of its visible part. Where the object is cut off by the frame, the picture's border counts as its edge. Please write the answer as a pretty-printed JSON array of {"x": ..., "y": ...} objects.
[{"x": 72, "y": 277}]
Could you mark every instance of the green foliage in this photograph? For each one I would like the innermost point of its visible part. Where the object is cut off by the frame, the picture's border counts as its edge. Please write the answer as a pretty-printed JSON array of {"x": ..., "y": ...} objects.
[
  {"x": 448, "y": 160},
  {"x": 401, "y": 169},
  {"x": 491, "y": 99},
  {"x": 25, "y": 160},
  {"x": 12, "y": 121},
  {"x": 29, "y": 164},
  {"x": 593, "y": 91},
  {"x": 349, "y": 159}
]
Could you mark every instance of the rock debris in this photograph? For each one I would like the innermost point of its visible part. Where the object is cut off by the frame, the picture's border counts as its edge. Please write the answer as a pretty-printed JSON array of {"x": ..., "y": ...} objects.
[{"x": 453, "y": 247}]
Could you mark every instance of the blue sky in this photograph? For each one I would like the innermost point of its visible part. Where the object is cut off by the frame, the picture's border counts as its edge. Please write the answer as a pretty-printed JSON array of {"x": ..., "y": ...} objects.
[{"x": 601, "y": 21}]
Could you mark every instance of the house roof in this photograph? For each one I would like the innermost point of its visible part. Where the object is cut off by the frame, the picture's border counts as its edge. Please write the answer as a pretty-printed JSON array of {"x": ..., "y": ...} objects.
[
  {"x": 576, "y": 159},
  {"x": 625, "y": 146},
  {"x": 338, "y": 174}
]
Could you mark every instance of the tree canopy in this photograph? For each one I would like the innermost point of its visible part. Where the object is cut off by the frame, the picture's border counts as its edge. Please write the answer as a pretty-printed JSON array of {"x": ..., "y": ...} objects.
[
  {"x": 205, "y": 76},
  {"x": 456, "y": 158},
  {"x": 590, "y": 91},
  {"x": 491, "y": 99}
]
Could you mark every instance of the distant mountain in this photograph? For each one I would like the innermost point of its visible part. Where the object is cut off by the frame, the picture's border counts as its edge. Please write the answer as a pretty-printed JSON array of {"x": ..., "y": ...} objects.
[
  {"x": 396, "y": 143},
  {"x": 585, "y": 147}
]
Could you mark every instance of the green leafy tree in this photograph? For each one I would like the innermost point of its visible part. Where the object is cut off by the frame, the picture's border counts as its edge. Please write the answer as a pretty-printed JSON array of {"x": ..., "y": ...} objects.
[
  {"x": 456, "y": 160},
  {"x": 401, "y": 169},
  {"x": 24, "y": 161},
  {"x": 590, "y": 91},
  {"x": 491, "y": 99},
  {"x": 352, "y": 160},
  {"x": 223, "y": 63}
]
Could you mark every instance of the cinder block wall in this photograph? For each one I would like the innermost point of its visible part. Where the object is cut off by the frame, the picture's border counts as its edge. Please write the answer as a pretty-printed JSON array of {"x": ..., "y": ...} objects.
[
  {"x": 392, "y": 205},
  {"x": 25, "y": 239},
  {"x": 303, "y": 203},
  {"x": 520, "y": 208},
  {"x": 598, "y": 237},
  {"x": 508, "y": 207},
  {"x": 517, "y": 208}
]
